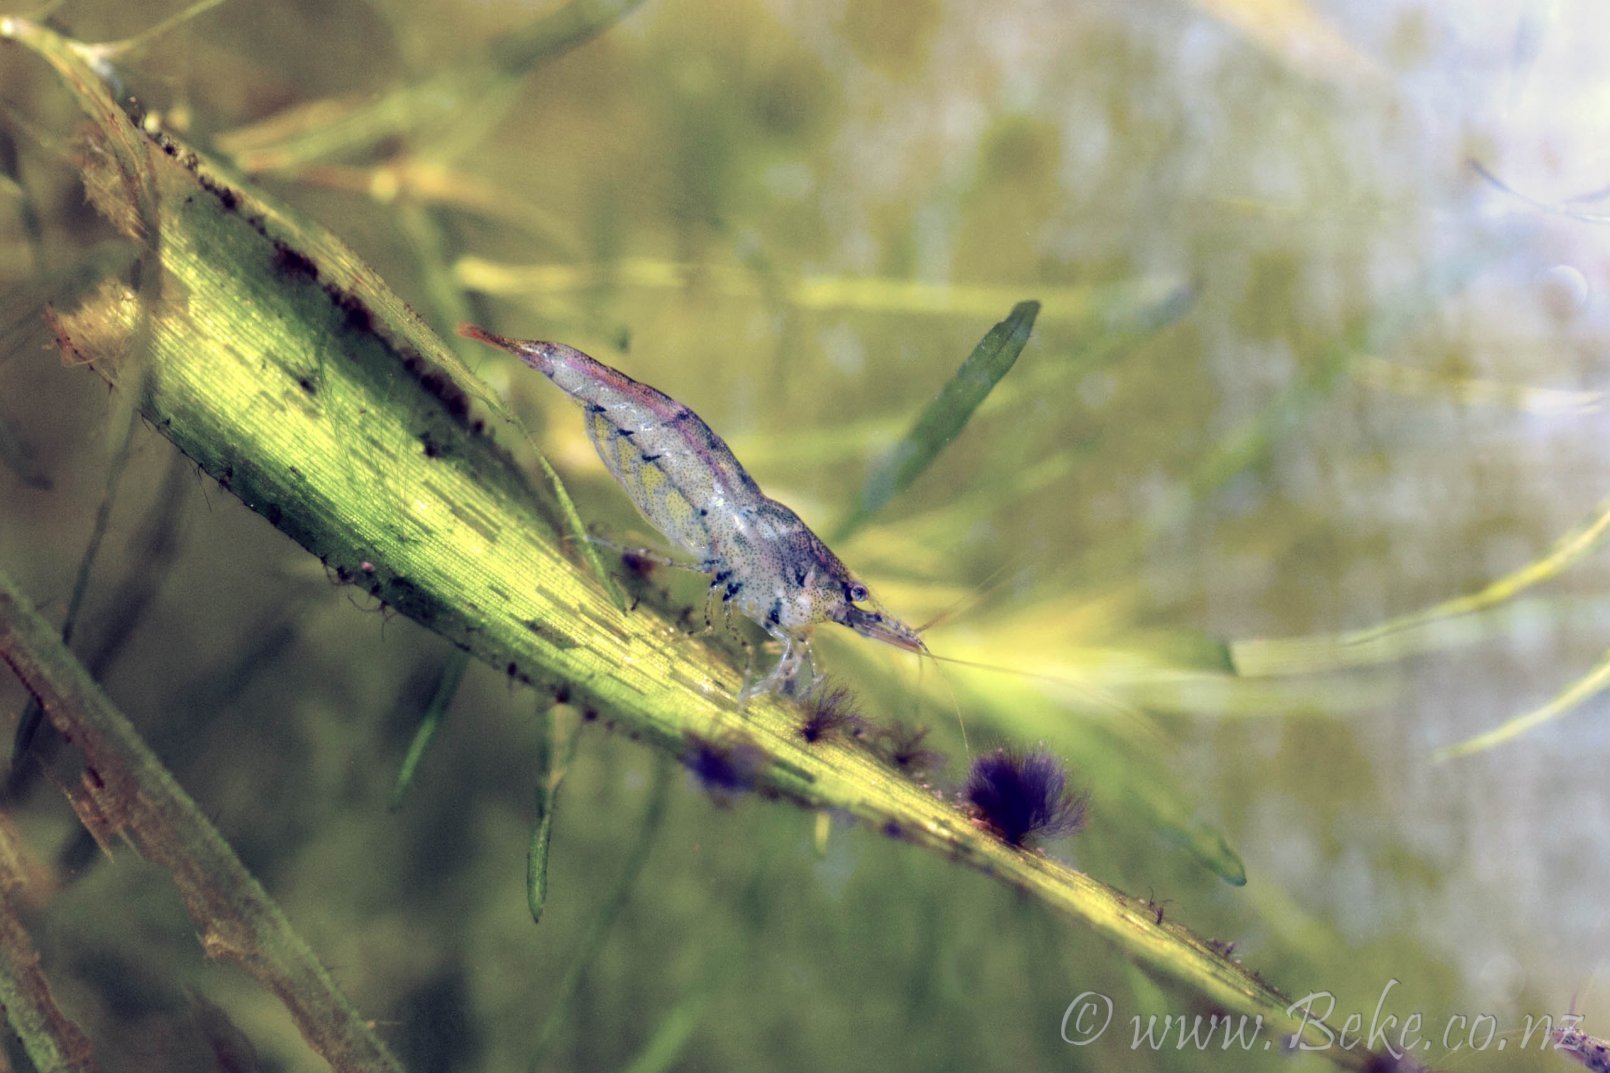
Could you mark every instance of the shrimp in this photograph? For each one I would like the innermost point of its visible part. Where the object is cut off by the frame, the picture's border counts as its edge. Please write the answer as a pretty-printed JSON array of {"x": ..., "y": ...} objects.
[
  {"x": 762, "y": 560},
  {"x": 1577, "y": 1045}
]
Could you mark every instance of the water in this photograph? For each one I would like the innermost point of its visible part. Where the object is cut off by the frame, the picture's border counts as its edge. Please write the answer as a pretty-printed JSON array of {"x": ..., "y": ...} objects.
[{"x": 1385, "y": 393}]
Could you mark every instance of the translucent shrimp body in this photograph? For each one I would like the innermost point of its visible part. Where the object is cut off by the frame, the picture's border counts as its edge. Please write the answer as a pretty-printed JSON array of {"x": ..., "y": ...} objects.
[
  {"x": 1585, "y": 1050},
  {"x": 762, "y": 560}
]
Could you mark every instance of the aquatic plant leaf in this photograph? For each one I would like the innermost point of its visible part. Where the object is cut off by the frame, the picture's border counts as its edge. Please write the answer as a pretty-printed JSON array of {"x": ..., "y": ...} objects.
[
  {"x": 1412, "y": 382},
  {"x": 131, "y": 795},
  {"x": 560, "y": 737},
  {"x": 1577, "y": 693},
  {"x": 1253, "y": 440},
  {"x": 1386, "y": 641},
  {"x": 430, "y": 721},
  {"x": 51, "y": 1038},
  {"x": 1157, "y": 298},
  {"x": 288, "y": 371},
  {"x": 944, "y": 418},
  {"x": 473, "y": 91},
  {"x": 1131, "y": 783}
]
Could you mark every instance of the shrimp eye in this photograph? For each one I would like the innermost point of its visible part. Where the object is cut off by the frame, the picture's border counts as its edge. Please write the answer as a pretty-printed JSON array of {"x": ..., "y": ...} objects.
[{"x": 857, "y": 594}]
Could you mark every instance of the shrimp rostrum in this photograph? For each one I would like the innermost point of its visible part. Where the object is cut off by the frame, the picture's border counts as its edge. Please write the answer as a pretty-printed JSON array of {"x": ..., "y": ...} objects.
[{"x": 762, "y": 560}]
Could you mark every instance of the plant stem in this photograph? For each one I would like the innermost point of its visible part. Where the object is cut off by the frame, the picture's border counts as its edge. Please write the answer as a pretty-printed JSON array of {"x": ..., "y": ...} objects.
[{"x": 125, "y": 791}]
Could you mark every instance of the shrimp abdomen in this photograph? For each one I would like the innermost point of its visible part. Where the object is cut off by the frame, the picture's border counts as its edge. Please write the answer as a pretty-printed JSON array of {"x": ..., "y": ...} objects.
[{"x": 681, "y": 476}]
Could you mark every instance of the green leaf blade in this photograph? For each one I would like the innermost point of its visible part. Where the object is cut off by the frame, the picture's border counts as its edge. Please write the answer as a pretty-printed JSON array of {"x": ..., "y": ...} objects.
[{"x": 944, "y": 418}]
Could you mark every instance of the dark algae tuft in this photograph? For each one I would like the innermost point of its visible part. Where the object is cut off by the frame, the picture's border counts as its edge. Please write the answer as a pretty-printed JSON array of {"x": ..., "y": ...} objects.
[
  {"x": 830, "y": 712},
  {"x": 1019, "y": 796}
]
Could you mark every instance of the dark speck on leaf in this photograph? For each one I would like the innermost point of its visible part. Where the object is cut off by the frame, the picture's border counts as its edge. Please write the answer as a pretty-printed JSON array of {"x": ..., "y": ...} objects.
[
  {"x": 1023, "y": 795},
  {"x": 358, "y": 317},
  {"x": 1386, "y": 1063},
  {"x": 638, "y": 565},
  {"x": 724, "y": 768},
  {"x": 291, "y": 262}
]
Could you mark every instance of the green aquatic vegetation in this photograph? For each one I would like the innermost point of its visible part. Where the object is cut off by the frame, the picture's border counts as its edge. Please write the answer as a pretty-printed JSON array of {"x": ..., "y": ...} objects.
[
  {"x": 374, "y": 452},
  {"x": 288, "y": 370},
  {"x": 1438, "y": 625},
  {"x": 1572, "y": 696},
  {"x": 460, "y": 101},
  {"x": 556, "y": 750},
  {"x": 943, "y": 418},
  {"x": 50, "y": 1037},
  {"x": 127, "y": 793},
  {"x": 430, "y": 721}
]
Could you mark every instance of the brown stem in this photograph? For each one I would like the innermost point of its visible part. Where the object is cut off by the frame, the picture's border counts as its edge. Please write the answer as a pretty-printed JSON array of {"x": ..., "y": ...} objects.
[{"x": 125, "y": 791}]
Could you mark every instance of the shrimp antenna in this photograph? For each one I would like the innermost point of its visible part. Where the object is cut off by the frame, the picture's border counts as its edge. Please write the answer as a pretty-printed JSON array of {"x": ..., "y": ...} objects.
[
  {"x": 982, "y": 589},
  {"x": 1097, "y": 696},
  {"x": 955, "y": 704},
  {"x": 997, "y": 668},
  {"x": 1542, "y": 206}
]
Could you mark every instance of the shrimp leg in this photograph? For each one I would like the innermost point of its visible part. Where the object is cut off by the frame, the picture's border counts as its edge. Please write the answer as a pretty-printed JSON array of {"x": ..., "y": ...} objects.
[{"x": 784, "y": 678}]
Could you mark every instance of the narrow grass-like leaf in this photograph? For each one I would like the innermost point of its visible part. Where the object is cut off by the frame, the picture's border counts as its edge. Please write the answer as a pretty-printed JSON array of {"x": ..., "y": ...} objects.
[
  {"x": 156, "y": 550},
  {"x": 105, "y": 53},
  {"x": 126, "y": 792},
  {"x": 1157, "y": 297},
  {"x": 609, "y": 910},
  {"x": 291, "y": 374},
  {"x": 473, "y": 90},
  {"x": 670, "y": 1037},
  {"x": 1566, "y": 208},
  {"x": 1584, "y": 688},
  {"x": 52, "y": 1040},
  {"x": 1110, "y": 321},
  {"x": 943, "y": 418},
  {"x": 1472, "y": 391},
  {"x": 1299, "y": 35},
  {"x": 1147, "y": 800},
  {"x": 447, "y": 683},
  {"x": 32, "y": 718},
  {"x": 560, "y": 736},
  {"x": 1385, "y": 641}
]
